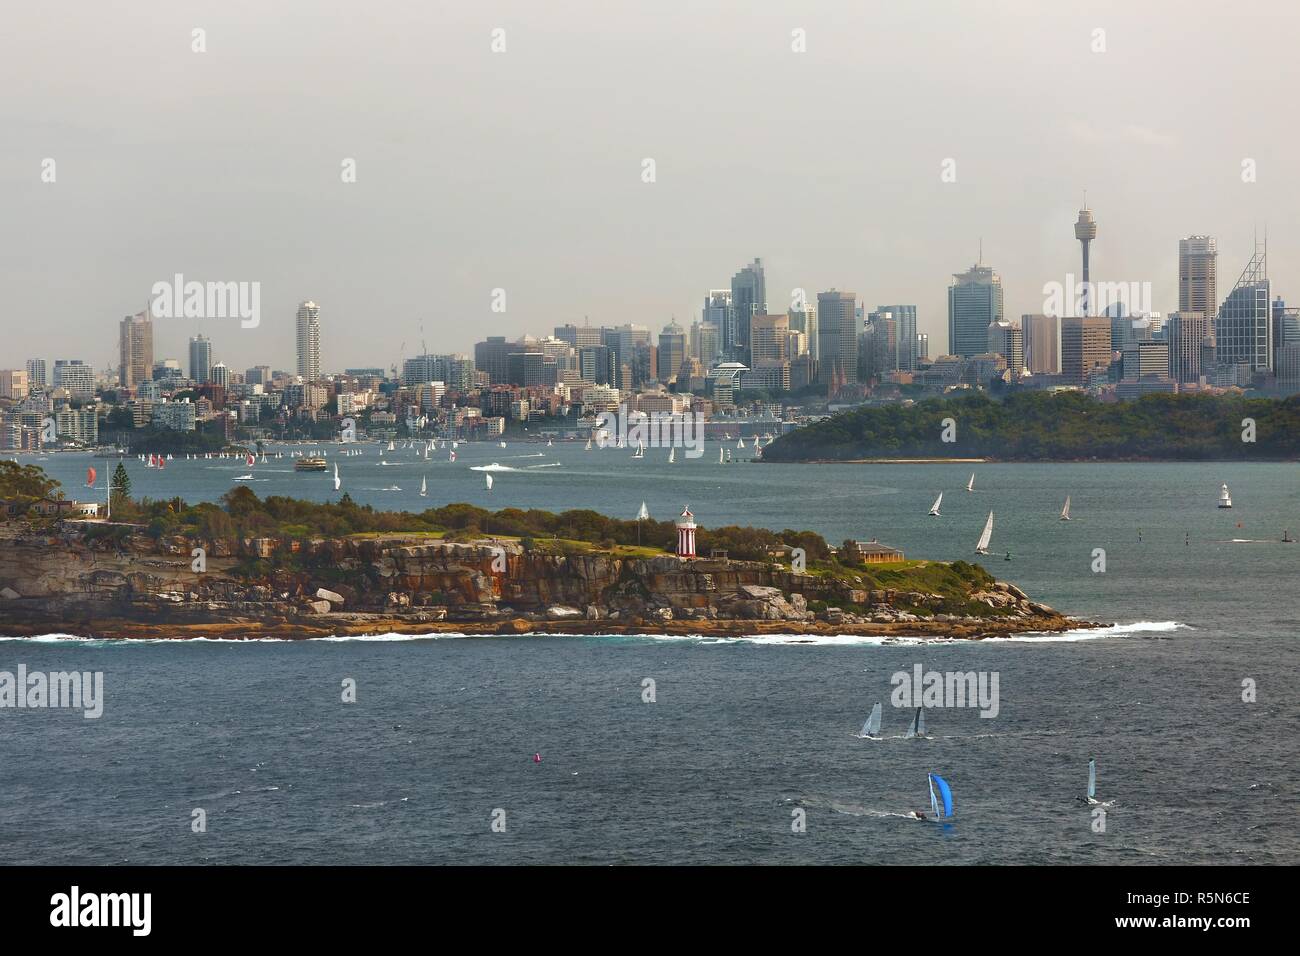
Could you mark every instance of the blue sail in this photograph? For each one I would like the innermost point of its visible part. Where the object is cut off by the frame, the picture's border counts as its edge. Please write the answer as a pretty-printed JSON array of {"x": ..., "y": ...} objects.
[{"x": 944, "y": 791}]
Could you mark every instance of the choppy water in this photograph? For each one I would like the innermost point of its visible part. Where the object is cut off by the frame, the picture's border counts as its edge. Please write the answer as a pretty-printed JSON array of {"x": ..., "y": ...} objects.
[{"x": 742, "y": 733}]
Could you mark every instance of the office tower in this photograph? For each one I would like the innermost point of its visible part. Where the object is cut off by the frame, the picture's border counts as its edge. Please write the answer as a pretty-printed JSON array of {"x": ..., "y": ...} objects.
[
  {"x": 598, "y": 364},
  {"x": 309, "y": 341},
  {"x": 878, "y": 346},
  {"x": 974, "y": 303},
  {"x": 717, "y": 311},
  {"x": 1186, "y": 334},
  {"x": 36, "y": 373},
  {"x": 200, "y": 359},
  {"x": 748, "y": 298},
  {"x": 922, "y": 347},
  {"x": 1146, "y": 359},
  {"x": 706, "y": 342},
  {"x": 805, "y": 320},
  {"x": 1007, "y": 339},
  {"x": 672, "y": 351},
  {"x": 1243, "y": 332},
  {"x": 220, "y": 375},
  {"x": 768, "y": 338},
  {"x": 1286, "y": 324},
  {"x": 1041, "y": 344},
  {"x": 579, "y": 336},
  {"x": 493, "y": 357},
  {"x": 526, "y": 368},
  {"x": 166, "y": 370},
  {"x": 904, "y": 317},
  {"x": 1085, "y": 230},
  {"x": 13, "y": 383},
  {"x": 1198, "y": 275},
  {"x": 1085, "y": 345},
  {"x": 135, "y": 350},
  {"x": 76, "y": 377},
  {"x": 838, "y": 334}
]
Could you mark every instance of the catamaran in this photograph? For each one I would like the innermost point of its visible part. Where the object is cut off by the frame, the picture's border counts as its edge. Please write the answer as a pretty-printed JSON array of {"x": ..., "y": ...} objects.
[
  {"x": 872, "y": 727},
  {"x": 1065, "y": 512},
  {"x": 934, "y": 508},
  {"x": 985, "y": 536},
  {"x": 970, "y": 485},
  {"x": 1225, "y": 500},
  {"x": 917, "y": 727}
]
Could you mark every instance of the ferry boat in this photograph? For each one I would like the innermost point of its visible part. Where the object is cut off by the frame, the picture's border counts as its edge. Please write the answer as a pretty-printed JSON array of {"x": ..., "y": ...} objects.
[{"x": 311, "y": 464}]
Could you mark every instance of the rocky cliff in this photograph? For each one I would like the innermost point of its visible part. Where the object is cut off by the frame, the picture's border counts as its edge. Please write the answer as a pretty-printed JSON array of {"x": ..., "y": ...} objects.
[{"x": 76, "y": 582}]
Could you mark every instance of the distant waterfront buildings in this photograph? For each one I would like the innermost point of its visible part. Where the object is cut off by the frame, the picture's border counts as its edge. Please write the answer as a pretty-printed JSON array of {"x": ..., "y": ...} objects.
[
  {"x": 135, "y": 350},
  {"x": 200, "y": 359},
  {"x": 13, "y": 384},
  {"x": 309, "y": 341},
  {"x": 974, "y": 303},
  {"x": 76, "y": 377},
  {"x": 1041, "y": 343}
]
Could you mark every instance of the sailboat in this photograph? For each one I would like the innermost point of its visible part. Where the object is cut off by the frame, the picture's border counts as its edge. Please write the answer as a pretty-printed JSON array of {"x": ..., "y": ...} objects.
[
  {"x": 934, "y": 508},
  {"x": 985, "y": 536},
  {"x": 644, "y": 513},
  {"x": 588, "y": 448},
  {"x": 721, "y": 457},
  {"x": 640, "y": 450},
  {"x": 672, "y": 455},
  {"x": 1225, "y": 500},
  {"x": 1286, "y": 537},
  {"x": 970, "y": 485},
  {"x": 1065, "y": 512},
  {"x": 424, "y": 487},
  {"x": 1092, "y": 780},
  {"x": 917, "y": 727},
  {"x": 740, "y": 442},
  {"x": 728, "y": 455},
  {"x": 872, "y": 727},
  {"x": 390, "y": 446},
  {"x": 489, "y": 482},
  {"x": 940, "y": 803},
  {"x": 337, "y": 481}
]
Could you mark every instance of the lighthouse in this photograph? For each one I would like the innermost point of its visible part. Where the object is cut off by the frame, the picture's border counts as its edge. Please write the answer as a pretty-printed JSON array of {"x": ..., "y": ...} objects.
[{"x": 686, "y": 534}]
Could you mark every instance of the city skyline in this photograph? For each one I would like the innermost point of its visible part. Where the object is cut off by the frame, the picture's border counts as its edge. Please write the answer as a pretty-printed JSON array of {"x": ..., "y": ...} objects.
[{"x": 414, "y": 243}]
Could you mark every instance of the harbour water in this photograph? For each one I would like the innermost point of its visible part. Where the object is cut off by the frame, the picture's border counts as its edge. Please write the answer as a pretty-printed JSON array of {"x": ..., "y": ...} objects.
[{"x": 744, "y": 737}]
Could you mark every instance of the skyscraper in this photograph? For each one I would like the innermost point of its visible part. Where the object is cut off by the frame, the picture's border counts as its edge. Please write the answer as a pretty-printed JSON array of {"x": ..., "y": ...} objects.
[
  {"x": 838, "y": 334},
  {"x": 309, "y": 341},
  {"x": 805, "y": 320},
  {"x": 904, "y": 317},
  {"x": 768, "y": 338},
  {"x": 1085, "y": 230},
  {"x": 200, "y": 359},
  {"x": 1042, "y": 343},
  {"x": 75, "y": 376},
  {"x": 1243, "y": 332},
  {"x": 672, "y": 351},
  {"x": 1085, "y": 345},
  {"x": 135, "y": 349},
  {"x": 1007, "y": 339},
  {"x": 974, "y": 303},
  {"x": 1186, "y": 333},
  {"x": 1198, "y": 275},
  {"x": 748, "y": 298}
]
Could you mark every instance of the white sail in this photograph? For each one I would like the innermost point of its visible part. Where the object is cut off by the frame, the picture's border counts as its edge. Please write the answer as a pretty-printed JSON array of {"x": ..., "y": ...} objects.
[
  {"x": 1092, "y": 779},
  {"x": 489, "y": 482},
  {"x": 934, "y": 508},
  {"x": 672, "y": 455},
  {"x": 985, "y": 536},
  {"x": 872, "y": 727},
  {"x": 337, "y": 482},
  {"x": 424, "y": 487},
  {"x": 644, "y": 513},
  {"x": 588, "y": 448},
  {"x": 740, "y": 443},
  {"x": 1065, "y": 512},
  {"x": 970, "y": 485},
  {"x": 721, "y": 456},
  {"x": 917, "y": 727}
]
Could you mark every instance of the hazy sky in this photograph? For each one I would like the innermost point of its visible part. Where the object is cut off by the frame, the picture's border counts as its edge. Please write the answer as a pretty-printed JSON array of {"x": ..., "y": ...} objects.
[{"x": 522, "y": 170}]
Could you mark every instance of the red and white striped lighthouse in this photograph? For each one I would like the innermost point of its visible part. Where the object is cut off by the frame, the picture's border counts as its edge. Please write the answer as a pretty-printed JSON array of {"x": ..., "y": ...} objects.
[{"x": 686, "y": 534}]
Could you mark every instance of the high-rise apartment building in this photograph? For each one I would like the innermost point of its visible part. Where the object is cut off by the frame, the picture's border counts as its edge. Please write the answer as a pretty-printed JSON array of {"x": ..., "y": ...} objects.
[
  {"x": 135, "y": 350},
  {"x": 1198, "y": 275},
  {"x": 36, "y": 373},
  {"x": 309, "y": 341},
  {"x": 201, "y": 359},
  {"x": 76, "y": 377}
]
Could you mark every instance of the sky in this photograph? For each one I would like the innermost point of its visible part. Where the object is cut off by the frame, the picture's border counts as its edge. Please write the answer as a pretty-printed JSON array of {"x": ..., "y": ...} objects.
[{"x": 524, "y": 170}]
